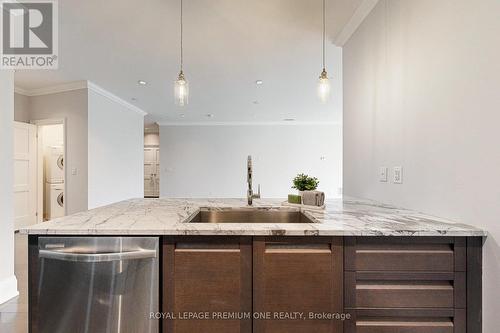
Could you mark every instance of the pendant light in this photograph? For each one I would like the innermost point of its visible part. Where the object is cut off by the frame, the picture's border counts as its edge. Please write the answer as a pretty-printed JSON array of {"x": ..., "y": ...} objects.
[
  {"x": 181, "y": 84},
  {"x": 324, "y": 83}
]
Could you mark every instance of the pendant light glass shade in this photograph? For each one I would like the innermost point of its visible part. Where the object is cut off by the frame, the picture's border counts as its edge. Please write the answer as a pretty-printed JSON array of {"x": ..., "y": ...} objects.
[
  {"x": 323, "y": 87},
  {"x": 181, "y": 90}
]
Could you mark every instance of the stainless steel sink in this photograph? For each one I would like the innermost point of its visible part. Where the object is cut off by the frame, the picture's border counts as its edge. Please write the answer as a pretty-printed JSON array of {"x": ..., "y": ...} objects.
[{"x": 250, "y": 215}]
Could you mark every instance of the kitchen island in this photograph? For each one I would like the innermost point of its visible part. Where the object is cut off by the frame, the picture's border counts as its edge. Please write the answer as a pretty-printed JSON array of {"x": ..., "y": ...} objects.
[{"x": 357, "y": 266}]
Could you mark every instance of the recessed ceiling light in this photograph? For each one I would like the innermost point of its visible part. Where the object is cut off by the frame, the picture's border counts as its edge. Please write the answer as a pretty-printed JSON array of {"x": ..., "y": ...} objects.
[
  {"x": 259, "y": 82},
  {"x": 182, "y": 115},
  {"x": 289, "y": 119},
  {"x": 134, "y": 99},
  {"x": 209, "y": 115},
  {"x": 255, "y": 102},
  {"x": 142, "y": 83}
]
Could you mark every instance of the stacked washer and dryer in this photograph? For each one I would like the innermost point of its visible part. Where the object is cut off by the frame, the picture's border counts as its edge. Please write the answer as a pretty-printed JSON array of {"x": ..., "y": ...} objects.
[{"x": 54, "y": 182}]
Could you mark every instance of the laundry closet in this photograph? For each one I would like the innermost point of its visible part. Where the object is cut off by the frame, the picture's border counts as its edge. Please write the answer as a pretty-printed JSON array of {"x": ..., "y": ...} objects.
[{"x": 51, "y": 151}]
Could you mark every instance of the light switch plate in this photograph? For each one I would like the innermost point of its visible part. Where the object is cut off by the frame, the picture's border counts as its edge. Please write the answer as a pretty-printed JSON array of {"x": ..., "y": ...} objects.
[
  {"x": 382, "y": 176},
  {"x": 398, "y": 175},
  {"x": 74, "y": 171}
]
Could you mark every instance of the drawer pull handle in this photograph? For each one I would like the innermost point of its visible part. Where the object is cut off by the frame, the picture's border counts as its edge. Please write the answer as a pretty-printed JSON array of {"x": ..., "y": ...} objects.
[
  {"x": 207, "y": 250},
  {"x": 297, "y": 248},
  {"x": 405, "y": 251},
  {"x": 405, "y": 323}
]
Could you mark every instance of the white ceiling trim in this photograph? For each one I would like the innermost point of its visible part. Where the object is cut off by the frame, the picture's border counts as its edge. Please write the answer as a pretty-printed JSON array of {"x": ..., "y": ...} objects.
[
  {"x": 243, "y": 123},
  {"x": 21, "y": 91},
  {"x": 357, "y": 18},
  {"x": 71, "y": 86},
  {"x": 76, "y": 85},
  {"x": 103, "y": 92}
]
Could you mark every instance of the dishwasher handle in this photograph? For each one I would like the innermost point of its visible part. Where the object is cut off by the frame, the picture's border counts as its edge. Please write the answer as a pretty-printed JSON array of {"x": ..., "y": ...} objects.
[{"x": 97, "y": 257}]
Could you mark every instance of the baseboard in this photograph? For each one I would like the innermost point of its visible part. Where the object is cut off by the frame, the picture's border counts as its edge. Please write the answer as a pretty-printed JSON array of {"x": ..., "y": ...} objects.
[{"x": 8, "y": 289}]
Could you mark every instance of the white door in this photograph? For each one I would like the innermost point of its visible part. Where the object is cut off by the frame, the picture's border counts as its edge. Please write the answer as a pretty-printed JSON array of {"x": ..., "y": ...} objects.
[
  {"x": 151, "y": 172},
  {"x": 25, "y": 169}
]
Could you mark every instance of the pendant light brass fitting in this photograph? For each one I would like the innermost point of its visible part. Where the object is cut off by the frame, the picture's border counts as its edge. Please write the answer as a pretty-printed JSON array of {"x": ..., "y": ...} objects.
[
  {"x": 181, "y": 76},
  {"x": 323, "y": 75}
]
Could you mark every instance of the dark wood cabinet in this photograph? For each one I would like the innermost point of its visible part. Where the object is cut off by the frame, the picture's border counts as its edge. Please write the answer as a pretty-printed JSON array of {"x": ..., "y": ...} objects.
[
  {"x": 405, "y": 285},
  {"x": 386, "y": 284},
  {"x": 297, "y": 275},
  {"x": 207, "y": 276}
]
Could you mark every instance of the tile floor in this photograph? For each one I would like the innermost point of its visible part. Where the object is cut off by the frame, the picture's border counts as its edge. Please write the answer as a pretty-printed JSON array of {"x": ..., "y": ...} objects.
[{"x": 14, "y": 313}]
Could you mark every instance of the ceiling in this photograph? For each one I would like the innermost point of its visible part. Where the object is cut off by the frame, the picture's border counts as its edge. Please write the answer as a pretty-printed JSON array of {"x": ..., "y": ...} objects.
[{"x": 228, "y": 45}]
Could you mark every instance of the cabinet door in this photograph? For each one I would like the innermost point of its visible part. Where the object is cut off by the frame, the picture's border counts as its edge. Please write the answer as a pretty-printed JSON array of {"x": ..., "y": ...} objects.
[
  {"x": 297, "y": 275},
  {"x": 207, "y": 275},
  {"x": 150, "y": 170},
  {"x": 157, "y": 173}
]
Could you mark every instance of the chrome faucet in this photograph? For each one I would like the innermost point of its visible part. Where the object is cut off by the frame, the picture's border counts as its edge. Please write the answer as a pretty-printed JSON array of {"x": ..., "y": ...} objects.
[{"x": 250, "y": 195}]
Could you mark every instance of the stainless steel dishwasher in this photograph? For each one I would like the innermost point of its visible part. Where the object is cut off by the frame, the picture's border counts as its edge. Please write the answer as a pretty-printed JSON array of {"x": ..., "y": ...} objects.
[{"x": 97, "y": 284}]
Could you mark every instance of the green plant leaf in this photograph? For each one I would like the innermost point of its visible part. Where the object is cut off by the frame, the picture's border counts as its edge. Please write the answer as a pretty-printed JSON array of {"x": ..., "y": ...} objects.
[{"x": 303, "y": 182}]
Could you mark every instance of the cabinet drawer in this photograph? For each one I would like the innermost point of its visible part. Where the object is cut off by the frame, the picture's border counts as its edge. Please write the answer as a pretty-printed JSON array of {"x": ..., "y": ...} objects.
[
  {"x": 404, "y": 294},
  {"x": 409, "y": 325},
  {"x": 403, "y": 259},
  {"x": 406, "y": 321},
  {"x": 400, "y": 254},
  {"x": 404, "y": 289}
]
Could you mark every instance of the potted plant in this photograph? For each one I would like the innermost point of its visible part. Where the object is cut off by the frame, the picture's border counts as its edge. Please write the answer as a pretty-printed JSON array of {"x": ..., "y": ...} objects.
[{"x": 303, "y": 182}]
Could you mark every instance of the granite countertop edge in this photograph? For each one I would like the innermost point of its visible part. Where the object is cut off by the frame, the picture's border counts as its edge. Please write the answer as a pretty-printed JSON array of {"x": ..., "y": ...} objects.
[{"x": 341, "y": 217}]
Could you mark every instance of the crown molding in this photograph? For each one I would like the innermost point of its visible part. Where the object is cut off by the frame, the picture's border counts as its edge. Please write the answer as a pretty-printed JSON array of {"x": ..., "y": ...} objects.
[
  {"x": 355, "y": 21},
  {"x": 103, "y": 92},
  {"x": 256, "y": 123},
  {"x": 77, "y": 85},
  {"x": 70, "y": 86},
  {"x": 21, "y": 91}
]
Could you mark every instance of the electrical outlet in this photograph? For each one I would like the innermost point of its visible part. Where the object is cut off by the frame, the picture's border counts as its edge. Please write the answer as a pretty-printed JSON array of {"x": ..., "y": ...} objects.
[
  {"x": 382, "y": 176},
  {"x": 398, "y": 175}
]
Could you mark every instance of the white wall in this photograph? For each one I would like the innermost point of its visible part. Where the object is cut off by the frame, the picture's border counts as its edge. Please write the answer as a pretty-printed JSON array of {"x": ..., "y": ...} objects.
[
  {"x": 115, "y": 151},
  {"x": 72, "y": 106},
  {"x": 421, "y": 90},
  {"x": 210, "y": 161},
  {"x": 8, "y": 282},
  {"x": 21, "y": 108}
]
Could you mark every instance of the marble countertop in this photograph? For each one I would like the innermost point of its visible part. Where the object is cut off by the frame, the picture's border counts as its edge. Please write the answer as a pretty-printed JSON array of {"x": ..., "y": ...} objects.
[{"x": 341, "y": 217}]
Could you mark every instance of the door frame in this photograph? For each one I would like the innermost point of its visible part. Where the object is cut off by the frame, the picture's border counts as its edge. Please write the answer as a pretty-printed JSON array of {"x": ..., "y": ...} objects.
[{"x": 39, "y": 123}]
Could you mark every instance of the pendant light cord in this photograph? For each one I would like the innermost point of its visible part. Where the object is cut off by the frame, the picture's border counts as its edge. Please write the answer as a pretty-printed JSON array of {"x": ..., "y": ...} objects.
[
  {"x": 324, "y": 34},
  {"x": 182, "y": 62}
]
